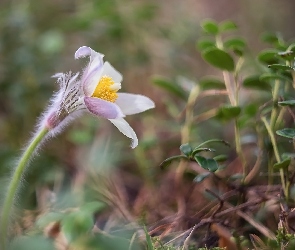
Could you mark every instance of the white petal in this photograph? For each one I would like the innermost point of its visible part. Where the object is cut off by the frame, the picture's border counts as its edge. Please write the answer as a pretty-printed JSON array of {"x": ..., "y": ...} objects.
[
  {"x": 109, "y": 70},
  {"x": 93, "y": 79},
  {"x": 132, "y": 104},
  {"x": 125, "y": 128},
  {"x": 116, "y": 86}
]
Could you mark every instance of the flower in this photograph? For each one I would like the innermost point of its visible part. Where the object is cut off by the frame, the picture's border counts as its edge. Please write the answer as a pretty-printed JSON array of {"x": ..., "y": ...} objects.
[{"x": 96, "y": 91}]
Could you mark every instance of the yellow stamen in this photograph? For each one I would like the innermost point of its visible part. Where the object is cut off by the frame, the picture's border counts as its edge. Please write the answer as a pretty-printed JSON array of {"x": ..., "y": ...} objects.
[{"x": 104, "y": 89}]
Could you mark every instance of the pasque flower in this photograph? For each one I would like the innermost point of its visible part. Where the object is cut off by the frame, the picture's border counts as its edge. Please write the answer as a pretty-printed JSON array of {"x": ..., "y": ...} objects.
[{"x": 94, "y": 91}]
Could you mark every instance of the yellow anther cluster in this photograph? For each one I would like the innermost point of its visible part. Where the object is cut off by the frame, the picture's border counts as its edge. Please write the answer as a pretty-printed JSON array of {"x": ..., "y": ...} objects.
[{"x": 104, "y": 91}]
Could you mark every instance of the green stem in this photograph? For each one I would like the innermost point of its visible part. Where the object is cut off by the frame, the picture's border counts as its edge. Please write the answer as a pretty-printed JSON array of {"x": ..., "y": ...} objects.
[
  {"x": 274, "y": 112},
  {"x": 277, "y": 155},
  {"x": 14, "y": 183}
]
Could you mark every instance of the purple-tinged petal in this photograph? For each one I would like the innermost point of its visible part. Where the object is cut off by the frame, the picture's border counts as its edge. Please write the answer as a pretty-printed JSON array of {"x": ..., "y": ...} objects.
[
  {"x": 132, "y": 104},
  {"x": 92, "y": 72},
  {"x": 103, "y": 108},
  {"x": 125, "y": 128},
  {"x": 82, "y": 52},
  {"x": 96, "y": 59}
]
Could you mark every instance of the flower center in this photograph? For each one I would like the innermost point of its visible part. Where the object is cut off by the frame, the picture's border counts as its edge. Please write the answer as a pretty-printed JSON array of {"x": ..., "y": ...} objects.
[{"x": 106, "y": 89}]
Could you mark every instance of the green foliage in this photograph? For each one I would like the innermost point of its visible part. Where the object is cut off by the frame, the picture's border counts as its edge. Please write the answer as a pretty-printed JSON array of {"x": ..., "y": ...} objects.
[
  {"x": 28, "y": 243},
  {"x": 136, "y": 38},
  {"x": 210, "y": 26},
  {"x": 255, "y": 82},
  {"x": 169, "y": 86},
  {"x": 208, "y": 164},
  {"x": 283, "y": 164},
  {"x": 211, "y": 83},
  {"x": 286, "y": 132},
  {"x": 76, "y": 224},
  {"x": 226, "y": 113},
  {"x": 219, "y": 58},
  {"x": 287, "y": 103}
]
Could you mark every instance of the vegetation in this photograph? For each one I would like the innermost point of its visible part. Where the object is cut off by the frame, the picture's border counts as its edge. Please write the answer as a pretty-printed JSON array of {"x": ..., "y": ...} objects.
[{"x": 214, "y": 168}]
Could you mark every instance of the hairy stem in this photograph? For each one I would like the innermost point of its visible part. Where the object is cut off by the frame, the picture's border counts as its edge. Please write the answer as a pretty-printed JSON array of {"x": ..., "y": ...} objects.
[{"x": 14, "y": 183}]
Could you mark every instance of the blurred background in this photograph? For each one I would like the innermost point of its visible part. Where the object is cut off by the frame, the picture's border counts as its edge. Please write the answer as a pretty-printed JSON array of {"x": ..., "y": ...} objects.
[{"x": 141, "y": 39}]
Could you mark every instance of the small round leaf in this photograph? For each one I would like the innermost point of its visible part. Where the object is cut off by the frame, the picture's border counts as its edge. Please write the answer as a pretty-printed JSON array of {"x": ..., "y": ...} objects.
[
  {"x": 227, "y": 26},
  {"x": 254, "y": 82},
  {"x": 226, "y": 113},
  {"x": 186, "y": 149},
  {"x": 283, "y": 164},
  {"x": 219, "y": 58},
  {"x": 203, "y": 44},
  {"x": 210, "y": 26},
  {"x": 274, "y": 76},
  {"x": 235, "y": 42},
  {"x": 268, "y": 56},
  {"x": 169, "y": 86},
  {"x": 209, "y": 164},
  {"x": 211, "y": 83}
]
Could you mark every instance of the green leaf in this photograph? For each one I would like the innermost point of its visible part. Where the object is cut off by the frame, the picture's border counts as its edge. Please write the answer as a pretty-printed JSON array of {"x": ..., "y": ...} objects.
[
  {"x": 274, "y": 76},
  {"x": 199, "y": 178},
  {"x": 235, "y": 42},
  {"x": 220, "y": 158},
  {"x": 211, "y": 83},
  {"x": 76, "y": 224},
  {"x": 287, "y": 103},
  {"x": 291, "y": 47},
  {"x": 209, "y": 164},
  {"x": 236, "y": 177},
  {"x": 168, "y": 161},
  {"x": 283, "y": 164},
  {"x": 291, "y": 244},
  {"x": 254, "y": 82},
  {"x": 226, "y": 113},
  {"x": 270, "y": 37},
  {"x": 280, "y": 67},
  {"x": 93, "y": 207},
  {"x": 268, "y": 56},
  {"x": 186, "y": 149},
  {"x": 213, "y": 140},
  {"x": 210, "y": 26},
  {"x": 171, "y": 87},
  {"x": 198, "y": 150},
  {"x": 31, "y": 242},
  {"x": 219, "y": 58},
  {"x": 287, "y": 55},
  {"x": 286, "y": 132},
  {"x": 45, "y": 219},
  {"x": 205, "y": 44},
  {"x": 227, "y": 26},
  {"x": 251, "y": 109},
  {"x": 148, "y": 239}
]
